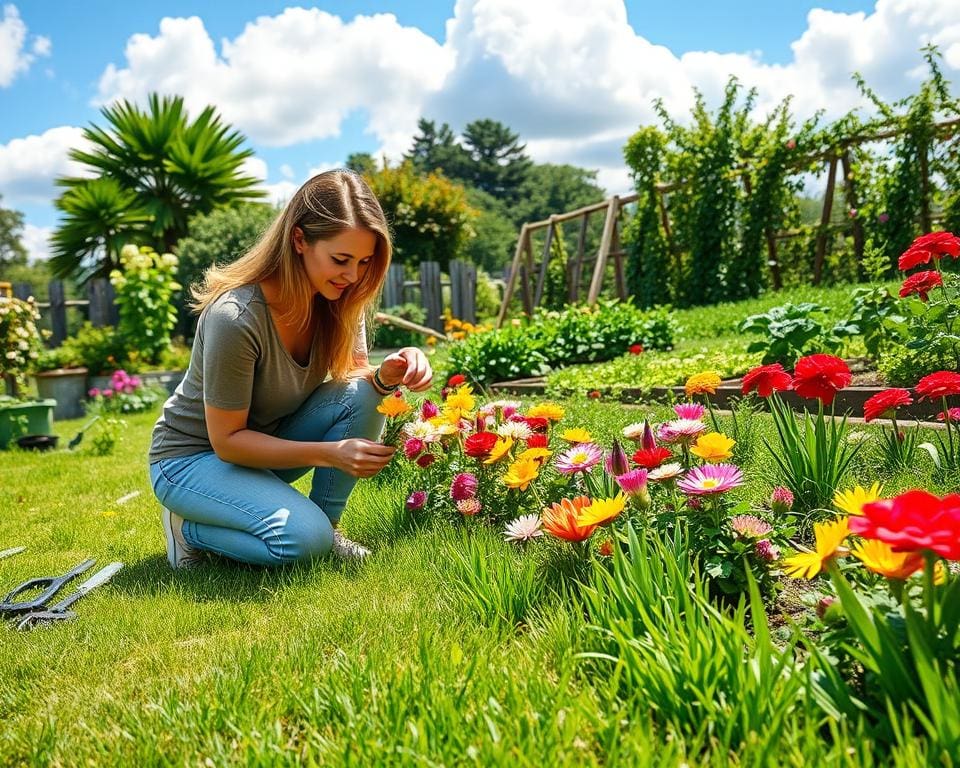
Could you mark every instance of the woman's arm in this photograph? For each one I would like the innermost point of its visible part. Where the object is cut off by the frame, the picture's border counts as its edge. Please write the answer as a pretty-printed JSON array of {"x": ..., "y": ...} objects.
[{"x": 234, "y": 442}]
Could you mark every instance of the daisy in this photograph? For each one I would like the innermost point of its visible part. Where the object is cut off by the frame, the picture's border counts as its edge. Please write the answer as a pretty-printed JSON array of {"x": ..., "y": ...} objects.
[
  {"x": 713, "y": 446},
  {"x": 516, "y": 430},
  {"x": 634, "y": 432},
  {"x": 524, "y": 528},
  {"x": 499, "y": 450},
  {"x": 852, "y": 500},
  {"x": 666, "y": 471},
  {"x": 576, "y": 435},
  {"x": 549, "y": 411},
  {"x": 580, "y": 458},
  {"x": 602, "y": 511},
  {"x": 422, "y": 430},
  {"x": 710, "y": 479},
  {"x": 680, "y": 430},
  {"x": 521, "y": 473},
  {"x": 829, "y": 540}
]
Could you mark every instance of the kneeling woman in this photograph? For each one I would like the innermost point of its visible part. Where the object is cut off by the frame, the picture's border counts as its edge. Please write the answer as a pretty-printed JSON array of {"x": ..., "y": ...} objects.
[{"x": 279, "y": 384}]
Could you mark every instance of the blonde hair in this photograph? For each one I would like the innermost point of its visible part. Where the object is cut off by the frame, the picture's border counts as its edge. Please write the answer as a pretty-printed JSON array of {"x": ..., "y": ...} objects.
[{"x": 325, "y": 206}]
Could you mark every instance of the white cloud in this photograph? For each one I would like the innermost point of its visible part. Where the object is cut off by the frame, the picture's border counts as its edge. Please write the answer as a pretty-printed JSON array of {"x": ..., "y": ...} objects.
[
  {"x": 28, "y": 166},
  {"x": 14, "y": 57},
  {"x": 37, "y": 242}
]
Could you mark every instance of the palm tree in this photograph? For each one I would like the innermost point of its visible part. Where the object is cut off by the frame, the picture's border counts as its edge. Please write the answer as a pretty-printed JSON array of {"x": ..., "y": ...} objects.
[{"x": 150, "y": 172}]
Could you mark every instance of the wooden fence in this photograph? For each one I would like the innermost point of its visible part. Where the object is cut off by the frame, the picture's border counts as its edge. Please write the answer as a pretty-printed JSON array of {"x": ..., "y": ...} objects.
[{"x": 101, "y": 309}]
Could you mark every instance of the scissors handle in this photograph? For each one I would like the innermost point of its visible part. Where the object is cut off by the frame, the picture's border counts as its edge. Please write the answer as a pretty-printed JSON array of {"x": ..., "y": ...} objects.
[
  {"x": 49, "y": 584},
  {"x": 34, "y": 618}
]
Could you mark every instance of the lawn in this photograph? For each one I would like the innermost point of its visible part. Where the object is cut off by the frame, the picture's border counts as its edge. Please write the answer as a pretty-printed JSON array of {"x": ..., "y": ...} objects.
[{"x": 448, "y": 647}]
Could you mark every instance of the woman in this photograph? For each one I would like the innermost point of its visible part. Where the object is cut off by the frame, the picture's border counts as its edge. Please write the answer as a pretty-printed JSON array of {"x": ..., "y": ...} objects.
[{"x": 279, "y": 384}]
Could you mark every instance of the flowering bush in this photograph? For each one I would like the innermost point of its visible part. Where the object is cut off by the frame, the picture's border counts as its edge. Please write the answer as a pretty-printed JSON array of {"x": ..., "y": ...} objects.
[
  {"x": 20, "y": 343},
  {"x": 126, "y": 394},
  {"x": 144, "y": 296}
]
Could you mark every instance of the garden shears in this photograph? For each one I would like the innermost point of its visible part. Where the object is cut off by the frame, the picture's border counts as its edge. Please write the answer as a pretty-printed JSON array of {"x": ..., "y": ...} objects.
[
  {"x": 50, "y": 586},
  {"x": 59, "y": 611}
]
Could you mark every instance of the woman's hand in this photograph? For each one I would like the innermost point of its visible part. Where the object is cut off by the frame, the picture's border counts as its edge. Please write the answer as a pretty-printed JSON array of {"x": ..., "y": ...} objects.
[
  {"x": 362, "y": 458},
  {"x": 409, "y": 367}
]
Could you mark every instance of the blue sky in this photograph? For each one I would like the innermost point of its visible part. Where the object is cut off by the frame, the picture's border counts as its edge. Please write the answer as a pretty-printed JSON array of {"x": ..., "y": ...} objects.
[{"x": 310, "y": 86}]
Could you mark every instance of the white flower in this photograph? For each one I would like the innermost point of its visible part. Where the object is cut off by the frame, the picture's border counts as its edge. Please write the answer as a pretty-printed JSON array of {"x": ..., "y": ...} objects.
[
  {"x": 666, "y": 471},
  {"x": 633, "y": 431},
  {"x": 524, "y": 528},
  {"x": 423, "y": 430},
  {"x": 518, "y": 430},
  {"x": 169, "y": 260},
  {"x": 129, "y": 252}
]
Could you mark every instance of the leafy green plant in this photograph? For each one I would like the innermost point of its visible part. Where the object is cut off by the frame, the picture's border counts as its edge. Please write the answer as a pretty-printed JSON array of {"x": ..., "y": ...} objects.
[
  {"x": 500, "y": 355},
  {"x": 878, "y": 317},
  {"x": 20, "y": 342},
  {"x": 105, "y": 435},
  {"x": 791, "y": 331},
  {"x": 389, "y": 336},
  {"x": 99, "y": 350}
]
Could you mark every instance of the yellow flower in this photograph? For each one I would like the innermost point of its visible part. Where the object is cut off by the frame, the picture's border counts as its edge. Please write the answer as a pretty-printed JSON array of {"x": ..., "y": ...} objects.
[
  {"x": 431, "y": 341},
  {"x": 536, "y": 454},
  {"x": 521, "y": 473},
  {"x": 879, "y": 557},
  {"x": 499, "y": 450},
  {"x": 462, "y": 399},
  {"x": 852, "y": 501},
  {"x": 393, "y": 406},
  {"x": 448, "y": 416},
  {"x": 713, "y": 446},
  {"x": 577, "y": 435},
  {"x": 549, "y": 411},
  {"x": 829, "y": 539},
  {"x": 702, "y": 383},
  {"x": 602, "y": 511}
]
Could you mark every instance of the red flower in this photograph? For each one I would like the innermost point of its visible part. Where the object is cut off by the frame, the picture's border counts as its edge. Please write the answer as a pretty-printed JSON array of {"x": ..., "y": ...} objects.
[
  {"x": 480, "y": 444},
  {"x": 426, "y": 460},
  {"x": 593, "y": 394},
  {"x": 939, "y": 384},
  {"x": 885, "y": 401},
  {"x": 766, "y": 379},
  {"x": 635, "y": 349},
  {"x": 927, "y": 247},
  {"x": 952, "y": 413},
  {"x": 914, "y": 520},
  {"x": 456, "y": 380},
  {"x": 536, "y": 423},
  {"x": 921, "y": 283},
  {"x": 820, "y": 376},
  {"x": 651, "y": 458},
  {"x": 537, "y": 441}
]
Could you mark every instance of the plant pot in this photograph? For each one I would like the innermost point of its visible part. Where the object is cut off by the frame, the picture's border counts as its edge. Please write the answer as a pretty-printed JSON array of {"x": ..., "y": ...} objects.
[
  {"x": 38, "y": 442},
  {"x": 34, "y": 417},
  {"x": 68, "y": 386}
]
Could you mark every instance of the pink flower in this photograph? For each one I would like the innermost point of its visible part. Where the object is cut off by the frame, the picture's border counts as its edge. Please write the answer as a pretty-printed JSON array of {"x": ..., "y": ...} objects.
[
  {"x": 617, "y": 462},
  {"x": 93, "y": 392},
  {"x": 766, "y": 550},
  {"x": 781, "y": 501},
  {"x": 952, "y": 413},
  {"x": 693, "y": 411},
  {"x": 634, "y": 482},
  {"x": 416, "y": 500},
  {"x": 580, "y": 458},
  {"x": 107, "y": 393},
  {"x": 680, "y": 430},
  {"x": 464, "y": 486},
  {"x": 413, "y": 448},
  {"x": 710, "y": 479},
  {"x": 750, "y": 526},
  {"x": 469, "y": 507},
  {"x": 426, "y": 460},
  {"x": 428, "y": 410}
]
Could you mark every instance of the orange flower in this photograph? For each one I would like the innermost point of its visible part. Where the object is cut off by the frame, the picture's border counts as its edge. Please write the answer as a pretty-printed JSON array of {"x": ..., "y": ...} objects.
[
  {"x": 702, "y": 384},
  {"x": 394, "y": 405},
  {"x": 879, "y": 557},
  {"x": 560, "y": 519}
]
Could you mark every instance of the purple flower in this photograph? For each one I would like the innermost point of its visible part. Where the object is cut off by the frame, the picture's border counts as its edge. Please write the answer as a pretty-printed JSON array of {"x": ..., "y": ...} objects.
[
  {"x": 766, "y": 550},
  {"x": 416, "y": 500},
  {"x": 464, "y": 486},
  {"x": 428, "y": 410},
  {"x": 616, "y": 461},
  {"x": 883, "y": 218}
]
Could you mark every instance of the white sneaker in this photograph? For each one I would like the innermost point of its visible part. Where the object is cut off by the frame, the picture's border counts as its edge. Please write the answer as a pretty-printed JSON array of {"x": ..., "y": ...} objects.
[
  {"x": 179, "y": 553},
  {"x": 346, "y": 549}
]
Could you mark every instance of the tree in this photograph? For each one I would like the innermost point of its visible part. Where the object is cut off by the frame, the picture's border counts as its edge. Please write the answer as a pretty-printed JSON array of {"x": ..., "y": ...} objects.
[
  {"x": 495, "y": 233},
  {"x": 549, "y": 189},
  {"x": 151, "y": 171},
  {"x": 437, "y": 150},
  {"x": 499, "y": 165},
  {"x": 11, "y": 230},
  {"x": 362, "y": 162}
]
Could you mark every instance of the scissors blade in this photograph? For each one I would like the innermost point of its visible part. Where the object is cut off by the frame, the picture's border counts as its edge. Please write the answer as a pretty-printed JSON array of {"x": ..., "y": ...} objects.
[
  {"x": 12, "y": 551},
  {"x": 100, "y": 577}
]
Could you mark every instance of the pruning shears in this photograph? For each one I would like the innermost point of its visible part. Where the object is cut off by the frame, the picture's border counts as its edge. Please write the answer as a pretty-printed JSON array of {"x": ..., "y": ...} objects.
[
  {"x": 59, "y": 611},
  {"x": 49, "y": 584}
]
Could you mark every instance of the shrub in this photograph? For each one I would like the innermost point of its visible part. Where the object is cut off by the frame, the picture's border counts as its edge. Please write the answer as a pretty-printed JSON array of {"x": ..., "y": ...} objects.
[
  {"x": 100, "y": 350},
  {"x": 20, "y": 342},
  {"x": 500, "y": 355},
  {"x": 791, "y": 331},
  {"x": 389, "y": 336}
]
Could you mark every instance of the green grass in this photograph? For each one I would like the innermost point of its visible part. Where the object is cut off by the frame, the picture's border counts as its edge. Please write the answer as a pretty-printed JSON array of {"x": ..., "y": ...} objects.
[{"x": 387, "y": 663}]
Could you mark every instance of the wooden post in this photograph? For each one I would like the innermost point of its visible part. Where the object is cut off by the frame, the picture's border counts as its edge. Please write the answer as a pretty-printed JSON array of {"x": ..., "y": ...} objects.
[
  {"x": 824, "y": 231},
  {"x": 576, "y": 272},
  {"x": 544, "y": 264},
  {"x": 393, "y": 286},
  {"x": 463, "y": 290},
  {"x": 853, "y": 202},
  {"x": 596, "y": 284},
  {"x": 22, "y": 291},
  {"x": 512, "y": 279},
  {"x": 58, "y": 313},
  {"x": 618, "y": 253},
  {"x": 431, "y": 293},
  {"x": 101, "y": 295}
]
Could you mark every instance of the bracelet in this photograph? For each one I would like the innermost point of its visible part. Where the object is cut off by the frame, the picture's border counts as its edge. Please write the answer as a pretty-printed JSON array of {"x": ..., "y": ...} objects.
[{"x": 378, "y": 382}]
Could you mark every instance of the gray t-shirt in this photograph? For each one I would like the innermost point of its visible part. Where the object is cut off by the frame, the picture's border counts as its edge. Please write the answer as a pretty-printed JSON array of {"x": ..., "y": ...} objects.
[{"x": 238, "y": 361}]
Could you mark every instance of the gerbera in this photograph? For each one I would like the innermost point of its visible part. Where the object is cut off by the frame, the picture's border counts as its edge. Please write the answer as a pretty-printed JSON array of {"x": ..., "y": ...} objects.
[
  {"x": 549, "y": 411},
  {"x": 713, "y": 446},
  {"x": 560, "y": 519},
  {"x": 680, "y": 430},
  {"x": 829, "y": 538},
  {"x": 479, "y": 444},
  {"x": 651, "y": 458},
  {"x": 461, "y": 399},
  {"x": 464, "y": 486},
  {"x": 689, "y": 410},
  {"x": 394, "y": 405},
  {"x": 538, "y": 455},
  {"x": 580, "y": 458},
  {"x": 750, "y": 526},
  {"x": 939, "y": 384},
  {"x": 524, "y": 528},
  {"x": 710, "y": 479},
  {"x": 852, "y": 500},
  {"x": 884, "y": 403},
  {"x": 521, "y": 473},
  {"x": 913, "y": 520},
  {"x": 499, "y": 450},
  {"x": 920, "y": 283},
  {"x": 702, "y": 383},
  {"x": 516, "y": 430},
  {"x": 576, "y": 435},
  {"x": 602, "y": 511},
  {"x": 951, "y": 413},
  {"x": 820, "y": 376},
  {"x": 765, "y": 380},
  {"x": 880, "y": 558},
  {"x": 666, "y": 471}
]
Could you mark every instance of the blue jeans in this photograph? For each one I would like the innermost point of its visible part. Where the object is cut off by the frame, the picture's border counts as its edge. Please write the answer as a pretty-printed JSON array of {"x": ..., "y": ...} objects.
[{"x": 254, "y": 515}]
